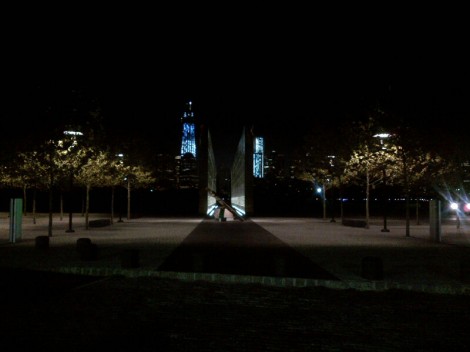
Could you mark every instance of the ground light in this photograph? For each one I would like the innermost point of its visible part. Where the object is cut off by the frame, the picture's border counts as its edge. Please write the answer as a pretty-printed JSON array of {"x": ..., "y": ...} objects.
[{"x": 455, "y": 206}]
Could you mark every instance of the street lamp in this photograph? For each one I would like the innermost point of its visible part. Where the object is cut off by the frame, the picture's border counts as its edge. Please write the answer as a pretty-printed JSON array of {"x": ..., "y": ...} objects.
[
  {"x": 455, "y": 206},
  {"x": 332, "y": 165},
  {"x": 321, "y": 190},
  {"x": 73, "y": 135},
  {"x": 383, "y": 136},
  {"x": 70, "y": 229},
  {"x": 121, "y": 157}
]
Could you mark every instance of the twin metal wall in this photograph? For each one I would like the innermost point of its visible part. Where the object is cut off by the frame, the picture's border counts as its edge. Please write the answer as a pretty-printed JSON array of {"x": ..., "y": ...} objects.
[
  {"x": 207, "y": 173},
  {"x": 241, "y": 174}
]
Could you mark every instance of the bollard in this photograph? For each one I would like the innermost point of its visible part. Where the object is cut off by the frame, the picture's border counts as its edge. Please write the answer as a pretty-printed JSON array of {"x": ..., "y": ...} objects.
[
  {"x": 89, "y": 252},
  {"x": 83, "y": 242},
  {"x": 197, "y": 262},
  {"x": 372, "y": 268},
  {"x": 280, "y": 265},
  {"x": 41, "y": 242},
  {"x": 130, "y": 259},
  {"x": 86, "y": 249},
  {"x": 465, "y": 272}
]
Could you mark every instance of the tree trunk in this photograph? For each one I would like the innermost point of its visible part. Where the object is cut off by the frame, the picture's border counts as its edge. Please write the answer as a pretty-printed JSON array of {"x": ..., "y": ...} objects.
[
  {"x": 128, "y": 198},
  {"x": 24, "y": 197},
  {"x": 417, "y": 211},
  {"x": 83, "y": 205},
  {"x": 112, "y": 205},
  {"x": 34, "y": 206},
  {"x": 87, "y": 205},
  {"x": 340, "y": 198},
  {"x": 407, "y": 197},
  {"x": 367, "y": 197},
  {"x": 61, "y": 205},
  {"x": 49, "y": 230}
]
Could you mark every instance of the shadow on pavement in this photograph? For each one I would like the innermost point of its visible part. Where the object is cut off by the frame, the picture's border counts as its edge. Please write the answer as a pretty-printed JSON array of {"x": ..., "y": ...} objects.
[{"x": 240, "y": 248}]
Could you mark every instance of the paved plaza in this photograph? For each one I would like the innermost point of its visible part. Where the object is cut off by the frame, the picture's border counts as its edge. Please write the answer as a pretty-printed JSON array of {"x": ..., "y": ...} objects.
[
  {"x": 272, "y": 251},
  {"x": 266, "y": 284}
]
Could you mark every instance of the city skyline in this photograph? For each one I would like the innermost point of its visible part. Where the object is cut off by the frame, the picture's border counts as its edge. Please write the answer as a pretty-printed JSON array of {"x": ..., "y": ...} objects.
[
  {"x": 282, "y": 120},
  {"x": 282, "y": 80}
]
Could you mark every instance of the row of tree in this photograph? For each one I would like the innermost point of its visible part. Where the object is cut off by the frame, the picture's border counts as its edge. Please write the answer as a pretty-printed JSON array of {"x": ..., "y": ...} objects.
[
  {"x": 73, "y": 160},
  {"x": 347, "y": 154},
  {"x": 373, "y": 152}
]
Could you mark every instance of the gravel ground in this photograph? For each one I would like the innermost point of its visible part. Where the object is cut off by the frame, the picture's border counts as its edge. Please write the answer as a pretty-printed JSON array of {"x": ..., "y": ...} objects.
[{"x": 50, "y": 311}]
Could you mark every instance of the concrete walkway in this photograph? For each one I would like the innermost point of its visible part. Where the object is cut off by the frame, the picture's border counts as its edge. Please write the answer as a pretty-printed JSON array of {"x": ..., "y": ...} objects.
[{"x": 315, "y": 252}]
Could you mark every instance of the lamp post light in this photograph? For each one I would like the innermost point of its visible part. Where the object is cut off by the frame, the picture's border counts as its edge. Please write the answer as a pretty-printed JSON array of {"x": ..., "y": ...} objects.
[
  {"x": 383, "y": 136},
  {"x": 121, "y": 157},
  {"x": 321, "y": 190},
  {"x": 385, "y": 229},
  {"x": 332, "y": 165},
  {"x": 73, "y": 135},
  {"x": 332, "y": 206},
  {"x": 455, "y": 206},
  {"x": 70, "y": 229},
  {"x": 120, "y": 206}
]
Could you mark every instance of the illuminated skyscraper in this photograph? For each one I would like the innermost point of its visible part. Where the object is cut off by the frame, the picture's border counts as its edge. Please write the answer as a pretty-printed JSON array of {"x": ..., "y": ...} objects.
[
  {"x": 186, "y": 162},
  {"x": 188, "y": 142},
  {"x": 258, "y": 158}
]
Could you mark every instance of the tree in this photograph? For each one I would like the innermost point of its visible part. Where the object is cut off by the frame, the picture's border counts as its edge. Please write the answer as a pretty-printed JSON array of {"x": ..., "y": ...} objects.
[
  {"x": 32, "y": 175},
  {"x": 372, "y": 162},
  {"x": 116, "y": 173},
  {"x": 369, "y": 166},
  {"x": 93, "y": 173},
  {"x": 398, "y": 159},
  {"x": 46, "y": 157},
  {"x": 420, "y": 170},
  {"x": 136, "y": 177},
  {"x": 58, "y": 160}
]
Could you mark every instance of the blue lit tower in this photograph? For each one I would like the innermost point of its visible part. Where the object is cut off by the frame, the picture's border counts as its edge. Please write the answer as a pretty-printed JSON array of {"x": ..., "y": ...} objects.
[
  {"x": 188, "y": 142},
  {"x": 186, "y": 162},
  {"x": 258, "y": 158}
]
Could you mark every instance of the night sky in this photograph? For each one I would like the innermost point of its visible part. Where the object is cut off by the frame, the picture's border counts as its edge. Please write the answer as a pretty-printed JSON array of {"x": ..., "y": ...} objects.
[{"x": 282, "y": 73}]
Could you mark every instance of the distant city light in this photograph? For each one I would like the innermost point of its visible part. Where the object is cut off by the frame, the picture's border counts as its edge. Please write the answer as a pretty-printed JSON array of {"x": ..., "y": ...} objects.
[
  {"x": 382, "y": 135},
  {"x": 73, "y": 133}
]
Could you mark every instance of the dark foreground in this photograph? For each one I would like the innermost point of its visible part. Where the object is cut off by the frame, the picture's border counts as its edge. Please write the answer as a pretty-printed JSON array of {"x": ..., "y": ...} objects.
[{"x": 52, "y": 312}]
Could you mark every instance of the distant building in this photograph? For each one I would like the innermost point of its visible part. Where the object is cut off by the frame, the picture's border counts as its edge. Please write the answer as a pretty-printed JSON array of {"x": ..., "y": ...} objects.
[
  {"x": 166, "y": 171},
  {"x": 258, "y": 157},
  {"x": 186, "y": 163},
  {"x": 465, "y": 179},
  {"x": 188, "y": 141},
  {"x": 276, "y": 165}
]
